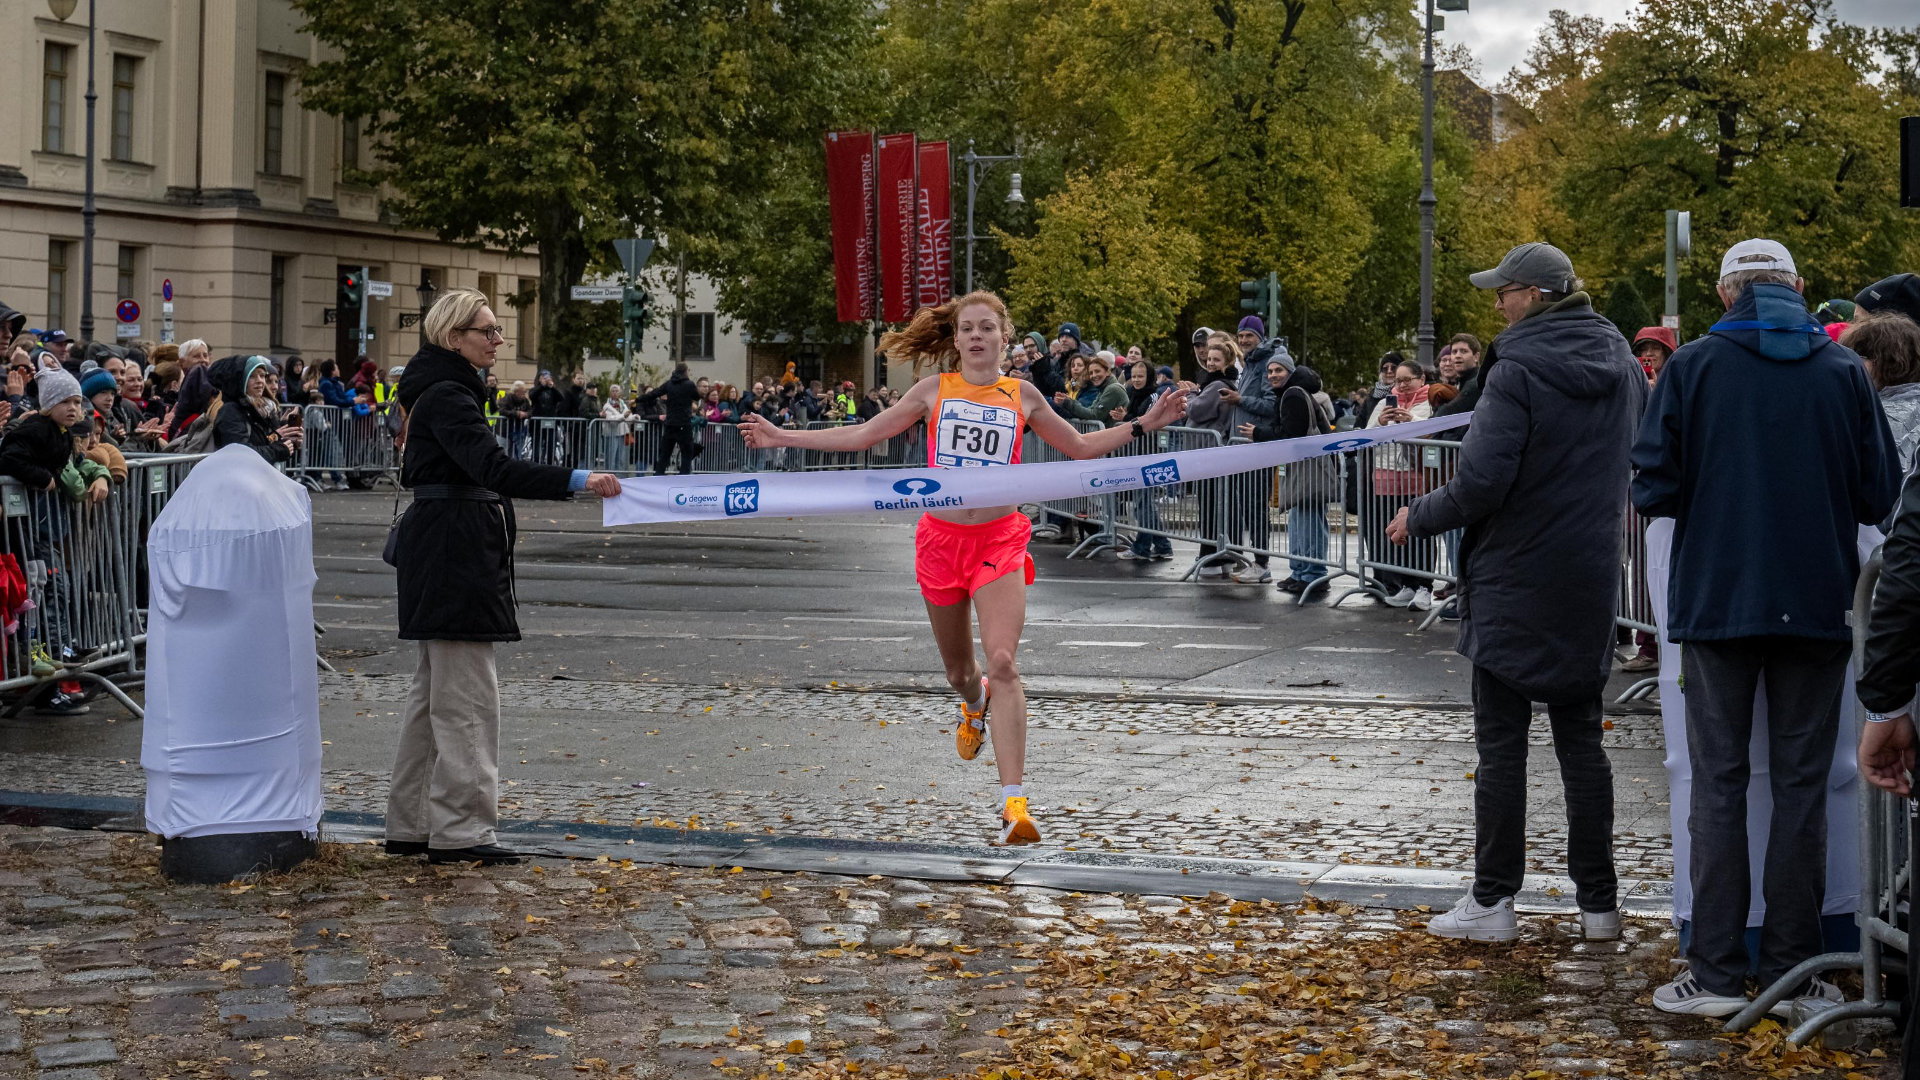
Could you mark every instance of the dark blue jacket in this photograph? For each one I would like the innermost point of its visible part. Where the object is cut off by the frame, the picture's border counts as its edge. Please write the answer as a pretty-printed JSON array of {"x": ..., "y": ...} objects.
[{"x": 1765, "y": 443}]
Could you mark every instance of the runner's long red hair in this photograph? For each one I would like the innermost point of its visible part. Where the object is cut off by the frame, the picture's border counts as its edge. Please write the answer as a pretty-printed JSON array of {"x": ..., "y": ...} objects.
[{"x": 928, "y": 338}]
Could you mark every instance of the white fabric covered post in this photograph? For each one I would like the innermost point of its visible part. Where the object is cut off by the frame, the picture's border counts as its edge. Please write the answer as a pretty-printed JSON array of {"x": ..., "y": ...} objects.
[
  {"x": 232, "y": 739},
  {"x": 1843, "y": 779}
]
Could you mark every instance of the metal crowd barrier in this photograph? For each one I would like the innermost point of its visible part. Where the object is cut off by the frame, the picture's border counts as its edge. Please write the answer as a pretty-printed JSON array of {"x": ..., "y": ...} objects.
[
  {"x": 74, "y": 578},
  {"x": 1300, "y": 504},
  {"x": 1379, "y": 481},
  {"x": 1886, "y": 872},
  {"x": 337, "y": 444}
]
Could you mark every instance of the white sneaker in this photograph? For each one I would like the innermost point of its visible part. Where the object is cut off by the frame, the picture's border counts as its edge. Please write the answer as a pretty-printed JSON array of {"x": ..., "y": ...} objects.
[
  {"x": 1423, "y": 600},
  {"x": 1401, "y": 598},
  {"x": 1127, "y": 553},
  {"x": 1600, "y": 925},
  {"x": 1215, "y": 570},
  {"x": 1818, "y": 989},
  {"x": 1687, "y": 997},
  {"x": 1254, "y": 575},
  {"x": 1472, "y": 922}
]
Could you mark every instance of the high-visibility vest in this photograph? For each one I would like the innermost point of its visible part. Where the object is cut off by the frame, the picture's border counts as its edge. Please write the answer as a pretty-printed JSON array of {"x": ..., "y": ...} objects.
[{"x": 381, "y": 392}]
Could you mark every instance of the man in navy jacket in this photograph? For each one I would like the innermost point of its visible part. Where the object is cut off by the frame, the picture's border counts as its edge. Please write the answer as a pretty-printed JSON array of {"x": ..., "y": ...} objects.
[{"x": 1766, "y": 445}]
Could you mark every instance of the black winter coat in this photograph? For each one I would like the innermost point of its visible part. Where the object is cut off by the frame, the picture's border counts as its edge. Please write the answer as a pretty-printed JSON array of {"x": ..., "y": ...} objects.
[
  {"x": 35, "y": 450},
  {"x": 238, "y": 422},
  {"x": 1892, "y": 659},
  {"x": 673, "y": 401},
  {"x": 547, "y": 401},
  {"x": 455, "y": 556},
  {"x": 1541, "y": 490}
]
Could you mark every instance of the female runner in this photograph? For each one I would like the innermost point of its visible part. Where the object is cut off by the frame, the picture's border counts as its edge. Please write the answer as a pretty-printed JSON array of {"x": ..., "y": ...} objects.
[{"x": 975, "y": 416}]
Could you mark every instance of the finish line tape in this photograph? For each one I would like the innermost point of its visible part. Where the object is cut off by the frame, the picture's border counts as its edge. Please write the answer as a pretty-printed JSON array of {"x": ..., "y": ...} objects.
[{"x": 697, "y": 497}]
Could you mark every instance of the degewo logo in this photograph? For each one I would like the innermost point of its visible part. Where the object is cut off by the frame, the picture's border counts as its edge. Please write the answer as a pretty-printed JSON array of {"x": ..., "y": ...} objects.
[
  {"x": 1345, "y": 444},
  {"x": 743, "y": 498},
  {"x": 1160, "y": 472},
  {"x": 1110, "y": 480},
  {"x": 698, "y": 500},
  {"x": 916, "y": 485}
]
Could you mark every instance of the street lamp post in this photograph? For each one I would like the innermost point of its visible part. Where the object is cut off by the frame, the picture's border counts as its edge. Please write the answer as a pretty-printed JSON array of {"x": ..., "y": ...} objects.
[
  {"x": 63, "y": 10},
  {"x": 1427, "y": 199},
  {"x": 427, "y": 292},
  {"x": 976, "y": 165}
]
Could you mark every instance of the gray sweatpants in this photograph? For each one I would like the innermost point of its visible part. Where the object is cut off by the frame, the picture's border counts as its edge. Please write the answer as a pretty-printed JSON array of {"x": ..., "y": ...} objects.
[{"x": 446, "y": 772}]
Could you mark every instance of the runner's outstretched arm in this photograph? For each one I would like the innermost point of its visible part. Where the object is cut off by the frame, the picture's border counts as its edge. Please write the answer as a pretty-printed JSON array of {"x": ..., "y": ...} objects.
[
  {"x": 1063, "y": 437},
  {"x": 913, "y": 407}
]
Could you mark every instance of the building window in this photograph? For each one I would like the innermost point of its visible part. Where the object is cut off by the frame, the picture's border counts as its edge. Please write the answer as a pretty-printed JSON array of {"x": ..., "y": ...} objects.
[
  {"x": 697, "y": 327},
  {"x": 57, "y": 255},
  {"x": 526, "y": 331},
  {"x": 124, "y": 68},
  {"x": 276, "y": 111},
  {"x": 277, "y": 303},
  {"x": 53, "y": 124},
  {"x": 126, "y": 281},
  {"x": 350, "y": 144}
]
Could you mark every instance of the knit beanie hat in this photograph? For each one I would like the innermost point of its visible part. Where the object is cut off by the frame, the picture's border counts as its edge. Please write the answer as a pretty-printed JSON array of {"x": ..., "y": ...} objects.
[
  {"x": 1069, "y": 330},
  {"x": 1255, "y": 324},
  {"x": 96, "y": 381},
  {"x": 56, "y": 386}
]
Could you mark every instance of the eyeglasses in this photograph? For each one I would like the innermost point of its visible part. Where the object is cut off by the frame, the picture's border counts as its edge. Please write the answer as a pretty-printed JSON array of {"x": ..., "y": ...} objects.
[
  {"x": 492, "y": 333},
  {"x": 1511, "y": 289}
]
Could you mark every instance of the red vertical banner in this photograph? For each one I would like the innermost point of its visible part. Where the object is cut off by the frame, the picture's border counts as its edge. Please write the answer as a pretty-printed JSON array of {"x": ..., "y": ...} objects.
[
  {"x": 850, "y": 198},
  {"x": 933, "y": 277},
  {"x": 899, "y": 225}
]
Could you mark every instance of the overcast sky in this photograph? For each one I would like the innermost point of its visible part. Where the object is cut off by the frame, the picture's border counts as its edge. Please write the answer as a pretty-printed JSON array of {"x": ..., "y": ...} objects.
[{"x": 1499, "y": 31}]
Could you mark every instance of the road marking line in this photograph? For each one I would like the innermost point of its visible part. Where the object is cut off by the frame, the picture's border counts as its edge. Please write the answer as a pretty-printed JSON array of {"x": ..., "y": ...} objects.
[
  {"x": 1340, "y": 648},
  {"x": 1109, "y": 644},
  {"x": 1034, "y": 622},
  {"x": 752, "y": 637},
  {"x": 1209, "y": 645},
  {"x": 902, "y": 637}
]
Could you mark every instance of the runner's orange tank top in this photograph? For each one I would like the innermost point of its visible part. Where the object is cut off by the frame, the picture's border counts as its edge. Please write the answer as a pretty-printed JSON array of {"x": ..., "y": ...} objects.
[{"x": 975, "y": 425}]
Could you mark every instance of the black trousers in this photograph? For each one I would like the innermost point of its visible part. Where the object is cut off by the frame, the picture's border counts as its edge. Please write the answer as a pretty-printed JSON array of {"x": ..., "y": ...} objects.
[
  {"x": 671, "y": 437},
  {"x": 1804, "y": 679},
  {"x": 1501, "y": 718}
]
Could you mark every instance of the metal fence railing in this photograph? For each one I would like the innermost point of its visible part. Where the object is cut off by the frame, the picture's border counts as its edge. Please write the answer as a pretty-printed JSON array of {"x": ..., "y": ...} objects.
[{"x": 73, "y": 576}]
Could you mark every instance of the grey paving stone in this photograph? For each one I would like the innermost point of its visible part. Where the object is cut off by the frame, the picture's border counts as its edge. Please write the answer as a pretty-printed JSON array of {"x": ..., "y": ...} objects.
[
  {"x": 332, "y": 970},
  {"x": 337, "y": 1015},
  {"x": 405, "y": 987},
  {"x": 90, "y": 1052}
]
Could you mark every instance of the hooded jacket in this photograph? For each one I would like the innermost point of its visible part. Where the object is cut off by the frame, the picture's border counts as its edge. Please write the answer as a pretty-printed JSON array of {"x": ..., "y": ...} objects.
[
  {"x": 238, "y": 421},
  {"x": 1296, "y": 415},
  {"x": 1765, "y": 443},
  {"x": 676, "y": 398},
  {"x": 1256, "y": 404},
  {"x": 1890, "y": 664},
  {"x": 454, "y": 556},
  {"x": 11, "y": 322},
  {"x": 1541, "y": 492}
]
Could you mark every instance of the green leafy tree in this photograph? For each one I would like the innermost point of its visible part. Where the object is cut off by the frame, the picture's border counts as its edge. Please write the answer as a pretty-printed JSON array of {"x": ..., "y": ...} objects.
[
  {"x": 1104, "y": 255},
  {"x": 563, "y": 126},
  {"x": 1625, "y": 310},
  {"x": 1761, "y": 117}
]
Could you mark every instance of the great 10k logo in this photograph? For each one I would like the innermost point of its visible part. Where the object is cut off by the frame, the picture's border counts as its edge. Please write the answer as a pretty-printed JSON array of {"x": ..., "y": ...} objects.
[{"x": 743, "y": 498}]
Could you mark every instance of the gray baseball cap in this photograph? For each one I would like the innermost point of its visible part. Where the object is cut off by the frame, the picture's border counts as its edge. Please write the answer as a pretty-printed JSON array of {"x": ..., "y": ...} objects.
[{"x": 1541, "y": 265}]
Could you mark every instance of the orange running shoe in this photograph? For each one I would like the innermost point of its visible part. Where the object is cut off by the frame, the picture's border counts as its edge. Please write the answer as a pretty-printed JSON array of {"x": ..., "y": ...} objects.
[
  {"x": 1020, "y": 828},
  {"x": 970, "y": 736}
]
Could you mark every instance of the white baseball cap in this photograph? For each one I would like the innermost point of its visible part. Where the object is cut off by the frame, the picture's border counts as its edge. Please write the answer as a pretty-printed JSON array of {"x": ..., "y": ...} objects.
[{"x": 1757, "y": 254}]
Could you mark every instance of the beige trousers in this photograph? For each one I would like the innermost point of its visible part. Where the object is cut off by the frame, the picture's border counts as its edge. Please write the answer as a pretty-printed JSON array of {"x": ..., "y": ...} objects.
[{"x": 446, "y": 773}]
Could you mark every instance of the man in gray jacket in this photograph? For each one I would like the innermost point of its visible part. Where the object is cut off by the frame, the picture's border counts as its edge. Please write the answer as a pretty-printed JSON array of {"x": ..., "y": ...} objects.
[
  {"x": 1253, "y": 404},
  {"x": 1541, "y": 490}
]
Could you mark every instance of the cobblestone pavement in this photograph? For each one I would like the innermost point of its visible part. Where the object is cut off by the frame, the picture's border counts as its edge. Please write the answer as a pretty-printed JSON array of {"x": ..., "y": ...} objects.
[
  {"x": 1244, "y": 811},
  {"x": 360, "y": 965}
]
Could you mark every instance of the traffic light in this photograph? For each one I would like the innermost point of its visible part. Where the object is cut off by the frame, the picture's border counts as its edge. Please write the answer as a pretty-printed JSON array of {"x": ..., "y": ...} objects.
[
  {"x": 352, "y": 288},
  {"x": 634, "y": 315},
  {"x": 1253, "y": 297}
]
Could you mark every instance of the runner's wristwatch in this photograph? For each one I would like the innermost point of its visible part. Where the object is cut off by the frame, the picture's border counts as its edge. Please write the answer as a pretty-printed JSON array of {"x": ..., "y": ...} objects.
[{"x": 1138, "y": 430}]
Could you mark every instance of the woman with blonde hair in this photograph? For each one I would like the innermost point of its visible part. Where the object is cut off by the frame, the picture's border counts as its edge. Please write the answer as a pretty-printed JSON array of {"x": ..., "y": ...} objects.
[
  {"x": 453, "y": 553},
  {"x": 973, "y": 562}
]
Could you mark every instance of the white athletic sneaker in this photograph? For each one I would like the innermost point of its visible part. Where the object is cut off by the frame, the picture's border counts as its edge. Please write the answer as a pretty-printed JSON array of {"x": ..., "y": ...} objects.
[
  {"x": 1423, "y": 600},
  {"x": 1216, "y": 571},
  {"x": 1253, "y": 575},
  {"x": 1685, "y": 996},
  {"x": 1600, "y": 925},
  {"x": 1818, "y": 989},
  {"x": 1472, "y": 922},
  {"x": 1401, "y": 598}
]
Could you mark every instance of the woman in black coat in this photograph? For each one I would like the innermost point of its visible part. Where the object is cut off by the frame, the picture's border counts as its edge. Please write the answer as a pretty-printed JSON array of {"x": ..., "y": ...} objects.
[
  {"x": 453, "y": 550},
  {"x": 247, "y": 415}
]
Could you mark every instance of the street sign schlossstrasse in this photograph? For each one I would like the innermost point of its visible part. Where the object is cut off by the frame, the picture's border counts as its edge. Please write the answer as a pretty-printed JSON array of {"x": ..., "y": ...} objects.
[
  {"x": 382, "y": 289},
  {"x": 597, "y": 293}
]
